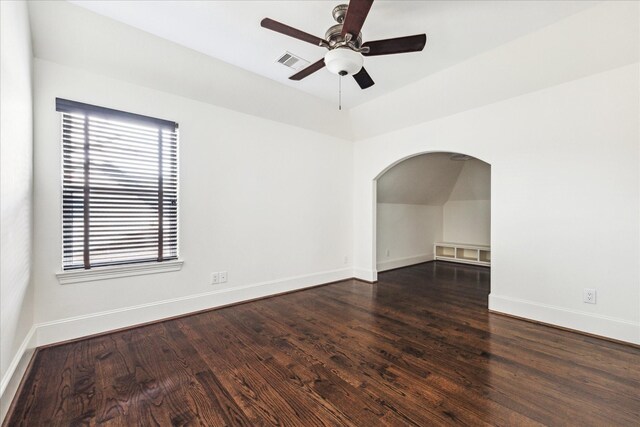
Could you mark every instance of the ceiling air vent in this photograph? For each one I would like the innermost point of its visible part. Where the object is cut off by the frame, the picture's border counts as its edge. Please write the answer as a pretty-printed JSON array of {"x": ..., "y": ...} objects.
[{"x": 292, "y": 61}]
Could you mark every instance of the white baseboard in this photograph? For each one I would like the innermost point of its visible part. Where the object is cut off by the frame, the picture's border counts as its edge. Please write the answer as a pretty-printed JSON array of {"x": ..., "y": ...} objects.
[
  {"x": 11, "y": 379},
  {"x": 366, "y": 275},
  {"x": 79, "y": 326},
  {"x": 596, "y": 324},
  {"x": 404, "y": 262}
]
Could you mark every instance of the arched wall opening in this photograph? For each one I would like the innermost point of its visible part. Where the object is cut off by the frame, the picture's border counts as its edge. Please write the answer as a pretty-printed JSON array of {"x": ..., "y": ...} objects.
[
  {"x": 428, "y": 199},
  {"x": 372, "y": 165}
]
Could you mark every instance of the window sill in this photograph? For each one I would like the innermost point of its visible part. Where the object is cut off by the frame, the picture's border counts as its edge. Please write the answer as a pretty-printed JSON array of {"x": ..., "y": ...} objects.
[{"x": 104, "y": 273}]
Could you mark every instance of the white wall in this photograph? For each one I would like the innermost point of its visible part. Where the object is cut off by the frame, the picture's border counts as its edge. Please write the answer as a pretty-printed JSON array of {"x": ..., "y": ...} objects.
[
  {"x": 407, "y": 232},
  {"x": 565, "y": 198},
  {"x": 267, "y": 202},
  {"x": 467, "y": 212},
  {"x": 467, "y": 221},
  {"x": 16, "y": 294}
]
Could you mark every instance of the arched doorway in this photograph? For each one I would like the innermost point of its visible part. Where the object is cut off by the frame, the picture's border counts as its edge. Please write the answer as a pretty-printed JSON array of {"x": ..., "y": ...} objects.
[{"x": 428, "y": 199}]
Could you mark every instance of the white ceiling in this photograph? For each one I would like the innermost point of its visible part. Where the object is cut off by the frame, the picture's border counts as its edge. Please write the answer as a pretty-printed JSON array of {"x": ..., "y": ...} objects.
[{"x": 230, "y": 31}]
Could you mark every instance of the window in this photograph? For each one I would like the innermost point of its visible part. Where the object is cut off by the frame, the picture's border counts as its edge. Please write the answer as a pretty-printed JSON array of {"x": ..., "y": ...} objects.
[{"x": 120, "y": 187}]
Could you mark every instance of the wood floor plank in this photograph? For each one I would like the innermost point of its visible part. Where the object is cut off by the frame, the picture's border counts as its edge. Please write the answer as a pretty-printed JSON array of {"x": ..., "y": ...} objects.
[
  {"x": 378, "y": 362},
  {"x": 313, "y": 374},
  {"x": 417, "y": 348}
]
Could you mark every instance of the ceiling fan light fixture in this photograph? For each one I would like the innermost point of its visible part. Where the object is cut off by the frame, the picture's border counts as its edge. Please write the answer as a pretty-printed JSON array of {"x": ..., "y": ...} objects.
[{"x": 343, "y": 61}]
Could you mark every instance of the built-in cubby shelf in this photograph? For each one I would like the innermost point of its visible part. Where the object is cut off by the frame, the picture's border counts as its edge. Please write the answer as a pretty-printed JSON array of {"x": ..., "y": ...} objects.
[{"x": 461, "y": 252}]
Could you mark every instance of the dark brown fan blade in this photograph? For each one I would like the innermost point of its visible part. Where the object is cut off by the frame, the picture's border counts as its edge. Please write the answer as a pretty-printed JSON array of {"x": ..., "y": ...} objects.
[
  {"x": 398, "y": 45},
  {"x": 308, "y": 70},
  {"x": 356, "y": 14},
  {"x": 363, "y": 79},
  {"x": 281, "y": 28}
]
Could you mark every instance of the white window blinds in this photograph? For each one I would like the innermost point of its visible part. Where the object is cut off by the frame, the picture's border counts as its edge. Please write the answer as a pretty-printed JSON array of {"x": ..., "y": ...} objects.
[{"x": 120, "y": 187}]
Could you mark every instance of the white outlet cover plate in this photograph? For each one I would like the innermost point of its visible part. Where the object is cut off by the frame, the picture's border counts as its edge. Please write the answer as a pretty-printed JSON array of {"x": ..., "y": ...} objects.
[{"x": 589, "y": 296}]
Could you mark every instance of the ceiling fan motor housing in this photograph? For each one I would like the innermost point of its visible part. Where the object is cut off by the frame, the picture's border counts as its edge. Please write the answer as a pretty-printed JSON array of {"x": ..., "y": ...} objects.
[
  {"x": 334, "y": 33},
  {"x": 334, "y": 37}
]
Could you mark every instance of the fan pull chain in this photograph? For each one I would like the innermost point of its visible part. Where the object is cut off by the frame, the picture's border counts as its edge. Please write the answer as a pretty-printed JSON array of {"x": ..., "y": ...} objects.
[{"x": 339, "y": 92}]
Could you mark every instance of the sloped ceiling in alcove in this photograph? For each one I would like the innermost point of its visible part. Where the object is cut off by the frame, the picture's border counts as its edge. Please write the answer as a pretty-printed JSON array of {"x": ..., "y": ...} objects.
[
  {"x": 473, "y": 183},
  {"x": 433, "y": 179}
]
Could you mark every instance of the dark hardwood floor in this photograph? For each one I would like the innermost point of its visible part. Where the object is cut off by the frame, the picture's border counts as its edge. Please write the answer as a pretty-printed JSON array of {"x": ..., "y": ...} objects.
[{"x": 417, "y": 348}]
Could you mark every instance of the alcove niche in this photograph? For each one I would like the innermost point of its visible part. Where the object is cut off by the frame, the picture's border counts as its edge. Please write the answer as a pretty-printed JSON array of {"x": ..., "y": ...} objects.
[{"x": 431, "y": 198}]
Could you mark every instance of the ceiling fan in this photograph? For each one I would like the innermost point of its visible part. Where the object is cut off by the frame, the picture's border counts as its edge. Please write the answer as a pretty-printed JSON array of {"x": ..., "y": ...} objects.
[{"x": 344, "y": 42}]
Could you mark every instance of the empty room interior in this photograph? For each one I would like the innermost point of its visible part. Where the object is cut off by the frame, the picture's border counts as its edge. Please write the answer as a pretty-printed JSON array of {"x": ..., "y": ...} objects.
[{"x": 352, "y": 213}]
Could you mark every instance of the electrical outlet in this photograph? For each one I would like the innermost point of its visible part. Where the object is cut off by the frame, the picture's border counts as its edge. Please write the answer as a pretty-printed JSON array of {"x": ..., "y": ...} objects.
[
  {"x": 223, "y": 276},
  {"x": 215, "y": 278},
  {"x": 589, "y": 296},
  {"x": 346, "y": 260},
  {"x": 387, "y": 253}
]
